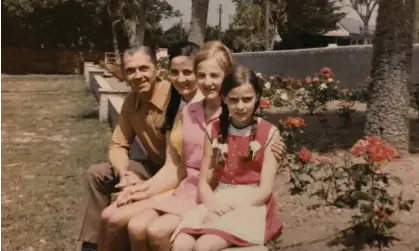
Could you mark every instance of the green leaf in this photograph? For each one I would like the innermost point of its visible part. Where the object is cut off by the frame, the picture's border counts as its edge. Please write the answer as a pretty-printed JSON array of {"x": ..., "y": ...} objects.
[
  {"x": 388, "y": 211},
  {"x": 389, "y": 224},
  {"x": 396, "y": 179},
  {"x": 384, "y": 178},
  {"x": 340, "y": 175},
  {"x": 366, "y": 207},
  {"x": 406, "y": 205},
  {"x": 359, "y": 195}
]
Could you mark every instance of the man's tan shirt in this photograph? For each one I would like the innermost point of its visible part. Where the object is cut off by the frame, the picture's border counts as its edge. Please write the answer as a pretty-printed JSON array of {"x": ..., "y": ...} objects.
[{"x": 143, "y": 120}]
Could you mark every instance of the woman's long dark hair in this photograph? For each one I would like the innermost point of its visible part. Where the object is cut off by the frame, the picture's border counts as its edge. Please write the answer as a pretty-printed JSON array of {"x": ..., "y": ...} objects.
[
  {"x": 239, "y": 76},
  {"x": 180, "y": 49}
]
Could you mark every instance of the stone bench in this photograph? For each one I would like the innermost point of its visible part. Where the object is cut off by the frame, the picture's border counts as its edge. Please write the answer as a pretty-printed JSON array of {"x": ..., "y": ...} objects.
[{"x": 90, "y": 70}]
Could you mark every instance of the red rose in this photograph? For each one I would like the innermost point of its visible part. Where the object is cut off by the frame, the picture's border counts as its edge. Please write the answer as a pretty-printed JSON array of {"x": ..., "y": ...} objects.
[
  {"x": 326, "y": 70},
  {"x": 322, "y": 159},
  {"x": 294, "y": 122},
  {"x": 305, "y": 155},
  {"x": 264, "y": 104}
]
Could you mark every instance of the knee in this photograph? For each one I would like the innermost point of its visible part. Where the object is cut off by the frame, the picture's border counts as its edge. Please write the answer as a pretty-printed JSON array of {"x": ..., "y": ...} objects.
[
  {"x": 182, "y": 244},
  {"x": 116, "y": 220},
  {"x": 156, "y": 232},
  {"x": 137, "y": 228},
  {"x": 204, "y": 246},
  {"x": 95, "y": 172},
  {"x": 106, "y": 214}
]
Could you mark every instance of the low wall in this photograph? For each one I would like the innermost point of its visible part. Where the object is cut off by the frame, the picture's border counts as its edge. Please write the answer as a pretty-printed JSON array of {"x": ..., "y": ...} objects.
[
  {"x": 102, "y": 91},
  {"x": 351, "y": 64}
]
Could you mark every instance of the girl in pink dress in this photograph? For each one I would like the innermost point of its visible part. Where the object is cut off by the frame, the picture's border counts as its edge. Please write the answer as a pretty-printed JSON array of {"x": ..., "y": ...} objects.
[
  {"x": 237, "y": 152},
  {"x": 211, "y": 64}
]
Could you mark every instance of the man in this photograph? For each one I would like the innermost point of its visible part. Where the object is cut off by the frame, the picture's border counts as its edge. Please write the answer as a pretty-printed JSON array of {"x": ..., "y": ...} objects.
[{"x": 142, "y": 115}]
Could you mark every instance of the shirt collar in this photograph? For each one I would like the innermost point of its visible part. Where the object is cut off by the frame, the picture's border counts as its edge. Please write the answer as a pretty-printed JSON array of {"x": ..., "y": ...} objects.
[{"x": 159, "y": 97}]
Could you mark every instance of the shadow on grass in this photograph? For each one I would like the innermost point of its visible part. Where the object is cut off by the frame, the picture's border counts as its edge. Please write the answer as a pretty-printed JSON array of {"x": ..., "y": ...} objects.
[
  {"x": 327, "y": 132},
  {"x": 87, "y": 114}
]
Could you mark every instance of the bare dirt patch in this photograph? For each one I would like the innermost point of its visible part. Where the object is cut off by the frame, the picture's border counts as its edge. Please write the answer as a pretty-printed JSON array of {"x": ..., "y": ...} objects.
[{"x": 318, "y": 229}]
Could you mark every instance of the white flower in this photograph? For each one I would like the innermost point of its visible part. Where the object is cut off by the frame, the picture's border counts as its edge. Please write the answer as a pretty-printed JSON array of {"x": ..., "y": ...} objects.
[
  {"x": 223, "y": 147},
  {"x": 284, "y": 96},
  {"x": 323, "y": 86},
  {"x": 259, "y": 74},
  {"x": 254, "y": 147},
  {"x": 215, "y": 143},
  {"x": 329, "y": 80},
  {"x": 267, "y": 85}
]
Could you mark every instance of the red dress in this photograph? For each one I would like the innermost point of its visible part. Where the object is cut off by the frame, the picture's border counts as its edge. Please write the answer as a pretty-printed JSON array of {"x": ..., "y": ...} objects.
[{"x": 236, "y": 174}]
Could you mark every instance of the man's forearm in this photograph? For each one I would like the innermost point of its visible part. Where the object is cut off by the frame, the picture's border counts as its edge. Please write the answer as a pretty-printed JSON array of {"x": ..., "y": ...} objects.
[{"x": 118, "y": 157}]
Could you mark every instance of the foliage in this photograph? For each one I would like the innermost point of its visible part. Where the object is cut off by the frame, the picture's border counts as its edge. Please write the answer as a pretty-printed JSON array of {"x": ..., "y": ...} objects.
[
  {"x": 56, "y": 25},
  {"x": 310, "y": 94},
  {"x": 376, "y": 206},
  {"x": 249, "y": 23},
  {"x": 307, "y": 17},
  {"x": 73, "y": 24},
  {"x": 294, "y": 20}
]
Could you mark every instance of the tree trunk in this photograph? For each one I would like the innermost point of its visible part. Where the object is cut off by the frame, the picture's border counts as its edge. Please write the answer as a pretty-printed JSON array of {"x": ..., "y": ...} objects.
[
  {"x": 135, "y": 23},
  {"x": 131, "y": 29},
  {"x": 387, "y": 113},
  {"x": 366, "y": 33},
  {"x": 115, "y": 41},
  {"x": 198, "y": 21},
  {"x": 416, "y": 23}
]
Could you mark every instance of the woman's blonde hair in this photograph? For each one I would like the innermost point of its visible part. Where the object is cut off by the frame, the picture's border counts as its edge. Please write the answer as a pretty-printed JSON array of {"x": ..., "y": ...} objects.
[{"x": 214, "y": 50}]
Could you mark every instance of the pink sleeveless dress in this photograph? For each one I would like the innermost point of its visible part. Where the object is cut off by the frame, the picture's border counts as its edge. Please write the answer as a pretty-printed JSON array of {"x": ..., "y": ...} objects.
[
  {"x": 185, "y": 196},
  {"x": 243, "y": 226}
]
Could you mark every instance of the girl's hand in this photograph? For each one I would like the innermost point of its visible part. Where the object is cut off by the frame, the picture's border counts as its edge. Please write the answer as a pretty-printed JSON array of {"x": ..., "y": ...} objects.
[
  {"x": 220, "y": 208},
  {"x": 210, "y": 217}
]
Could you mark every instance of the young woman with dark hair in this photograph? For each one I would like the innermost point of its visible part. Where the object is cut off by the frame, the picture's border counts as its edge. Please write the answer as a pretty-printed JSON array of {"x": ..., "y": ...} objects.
[{"x": 183, "y": 90}]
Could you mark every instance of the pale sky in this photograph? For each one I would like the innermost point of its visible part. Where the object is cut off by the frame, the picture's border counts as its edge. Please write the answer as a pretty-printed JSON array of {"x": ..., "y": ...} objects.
[{"x": 184, "y": 6}]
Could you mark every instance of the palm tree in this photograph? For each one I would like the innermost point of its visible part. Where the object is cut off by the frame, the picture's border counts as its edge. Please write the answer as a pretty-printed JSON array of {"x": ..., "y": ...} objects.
[{"x": 387, "y": 113}]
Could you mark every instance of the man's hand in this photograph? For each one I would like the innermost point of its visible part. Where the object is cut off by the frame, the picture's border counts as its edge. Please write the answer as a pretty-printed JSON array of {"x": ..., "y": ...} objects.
[
  {"x": 134, "y": 193},
  {"x": 279, "y": 149},
  {"x": 127, "y": 179}
]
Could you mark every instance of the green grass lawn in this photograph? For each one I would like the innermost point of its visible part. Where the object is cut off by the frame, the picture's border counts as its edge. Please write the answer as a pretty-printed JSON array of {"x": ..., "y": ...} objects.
[{"x": 50, "y": 135}]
